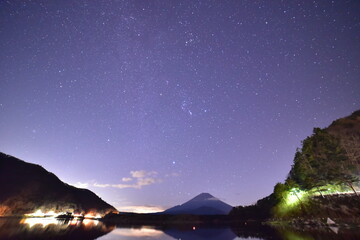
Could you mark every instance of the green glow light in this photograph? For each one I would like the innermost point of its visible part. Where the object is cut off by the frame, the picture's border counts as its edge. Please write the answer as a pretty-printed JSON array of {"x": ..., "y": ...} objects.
[
  {"x": 291, "y": 199},
  {"x": 294, "y": 196}
]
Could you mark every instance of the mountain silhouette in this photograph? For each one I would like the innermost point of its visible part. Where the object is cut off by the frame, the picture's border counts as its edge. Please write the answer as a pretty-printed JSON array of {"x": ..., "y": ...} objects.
[
  {"x": 27, "y": 187},
  {"x": 202, "y": 204}
]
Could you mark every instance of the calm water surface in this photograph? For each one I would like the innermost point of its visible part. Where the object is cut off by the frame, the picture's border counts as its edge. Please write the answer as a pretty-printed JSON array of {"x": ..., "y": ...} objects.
[{"x": 50, "y": 228}]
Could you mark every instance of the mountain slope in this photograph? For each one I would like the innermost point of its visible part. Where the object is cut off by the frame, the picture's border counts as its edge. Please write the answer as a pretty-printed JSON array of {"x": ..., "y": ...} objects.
[
  {"x": 27, "y": 187},
  {"x": 203, "y": 204}
]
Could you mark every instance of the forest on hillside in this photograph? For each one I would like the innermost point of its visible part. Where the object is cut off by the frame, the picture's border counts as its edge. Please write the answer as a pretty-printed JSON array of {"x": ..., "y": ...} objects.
[{"x": 325, "y": 167}]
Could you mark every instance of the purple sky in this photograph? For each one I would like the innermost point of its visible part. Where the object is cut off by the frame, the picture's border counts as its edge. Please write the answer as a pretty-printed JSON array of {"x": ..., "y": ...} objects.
[{"x": 149, "y": 103}]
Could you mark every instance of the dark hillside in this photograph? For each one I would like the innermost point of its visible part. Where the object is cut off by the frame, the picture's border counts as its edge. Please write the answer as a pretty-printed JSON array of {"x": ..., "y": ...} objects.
[{"x": 27, "y": 187}]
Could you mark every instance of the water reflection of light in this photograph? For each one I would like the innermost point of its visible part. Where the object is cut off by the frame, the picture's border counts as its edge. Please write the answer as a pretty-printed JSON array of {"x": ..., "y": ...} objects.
[
  {"x": 90, "y": 222},
  {"x": 74, "y": 222},
  {"x": 43, "y": 222},
  {"x": 142, "y": 232}
]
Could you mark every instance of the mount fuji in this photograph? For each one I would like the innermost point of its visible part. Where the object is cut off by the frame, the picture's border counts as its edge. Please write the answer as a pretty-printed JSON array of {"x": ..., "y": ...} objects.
[{"x": 202, "y": 204}]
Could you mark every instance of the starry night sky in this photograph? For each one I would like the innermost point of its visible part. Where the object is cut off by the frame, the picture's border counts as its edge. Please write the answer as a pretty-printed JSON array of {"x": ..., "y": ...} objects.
[{"x": 149, "y": 103}]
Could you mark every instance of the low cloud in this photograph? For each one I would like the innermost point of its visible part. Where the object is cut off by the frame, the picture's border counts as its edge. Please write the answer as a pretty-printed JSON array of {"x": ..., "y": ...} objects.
[
  {"x": 126, "y": 179},
  {"x": 101, "y": 185},
  {"x": 141, "y": 209},
  {"x": 137, "y": 180},
  {"x": 81, "y": 185},
  {"x": 142, "y": 174}
]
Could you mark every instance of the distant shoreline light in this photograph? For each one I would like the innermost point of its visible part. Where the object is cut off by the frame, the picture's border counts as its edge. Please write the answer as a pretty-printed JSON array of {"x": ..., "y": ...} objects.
[{"x": 40, "y": 214}]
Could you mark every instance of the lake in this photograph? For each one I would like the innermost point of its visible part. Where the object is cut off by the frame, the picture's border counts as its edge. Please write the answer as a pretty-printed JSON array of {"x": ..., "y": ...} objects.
[{"x": 50, "y": 228}]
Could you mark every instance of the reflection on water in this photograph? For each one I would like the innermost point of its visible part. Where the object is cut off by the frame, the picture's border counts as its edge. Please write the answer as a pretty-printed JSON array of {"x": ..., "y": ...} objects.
[
  {"x": 202, "y": 233},
  {"x": 43, "y": 222},
  {"x": 143, "y": 232},
  {"x": 51, "y": 228},
  {"x": 191, "y": 233},
  {"x": 328, "y": 233},
  {"x": 253, "y": 232}
]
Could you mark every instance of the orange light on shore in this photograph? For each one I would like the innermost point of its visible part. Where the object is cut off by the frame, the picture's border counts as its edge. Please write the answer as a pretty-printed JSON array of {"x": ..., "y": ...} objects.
[
  {"x": 40, "y": 213},
  {"x": 92, "y": 215}
]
